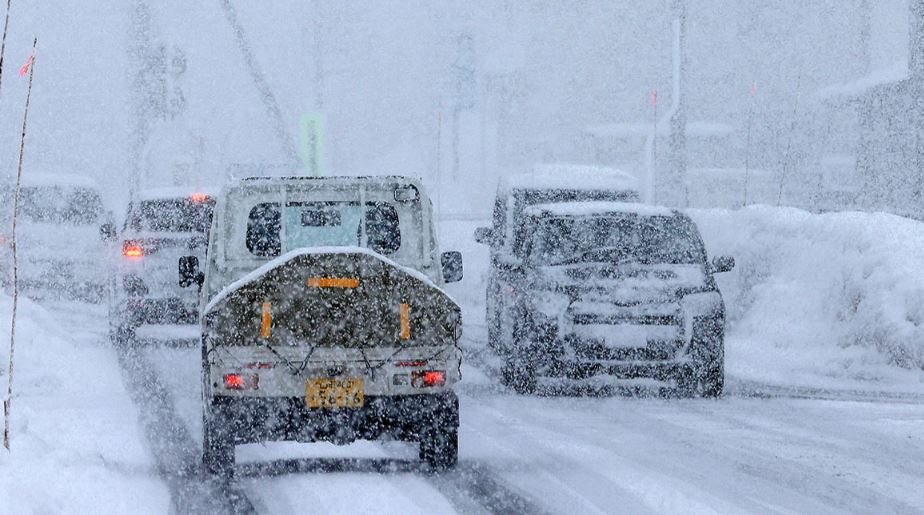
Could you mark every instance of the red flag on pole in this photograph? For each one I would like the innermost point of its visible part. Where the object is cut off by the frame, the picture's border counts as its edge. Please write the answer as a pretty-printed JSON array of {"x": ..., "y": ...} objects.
[
  {"x": 25, "y": 68},
  {"x": 654, "y": 98}
]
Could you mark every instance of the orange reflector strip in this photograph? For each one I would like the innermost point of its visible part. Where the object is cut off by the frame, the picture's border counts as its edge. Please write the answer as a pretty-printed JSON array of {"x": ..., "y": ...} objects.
[
  {"x": 266, "y": 328},
  {"x": 405, "y": 321},
  {"x": 333, "y": 282}
]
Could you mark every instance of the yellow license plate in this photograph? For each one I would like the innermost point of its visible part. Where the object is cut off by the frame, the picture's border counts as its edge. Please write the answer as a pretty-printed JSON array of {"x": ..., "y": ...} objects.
[{"x": 329, "y": 393}]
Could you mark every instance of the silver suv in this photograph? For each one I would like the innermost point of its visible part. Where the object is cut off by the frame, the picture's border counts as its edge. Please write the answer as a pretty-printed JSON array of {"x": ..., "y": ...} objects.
[
  {"x": 324, "y": 317},
  {"x": 160, "y": 227},
  {"x": 62, "y": 235},
  {"x": 610, "y": 289}
]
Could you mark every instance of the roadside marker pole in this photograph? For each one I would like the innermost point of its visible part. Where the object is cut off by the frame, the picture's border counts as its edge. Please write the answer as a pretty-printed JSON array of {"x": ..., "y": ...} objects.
[
  {"x": 653, "y": 165},
  {"x": 6, "y": 26},
  {"x": 8, "y": 401},
  {"x": 747, "y": 150}
]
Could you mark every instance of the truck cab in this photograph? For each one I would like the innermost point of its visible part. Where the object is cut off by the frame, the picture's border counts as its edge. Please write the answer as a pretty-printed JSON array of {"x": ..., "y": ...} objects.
[{"x": 324, "y": 319}]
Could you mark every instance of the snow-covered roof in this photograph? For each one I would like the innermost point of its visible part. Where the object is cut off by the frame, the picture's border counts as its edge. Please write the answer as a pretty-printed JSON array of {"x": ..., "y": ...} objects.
[
  {"x": 697, "y": 129},
  {"x": 175, "y": 192},
  {"x": 57, "y": 179},
  {"x": 592, "y": 208},
  {"x": 895, "y": 73},
  {"x": 571, "y": 177}
]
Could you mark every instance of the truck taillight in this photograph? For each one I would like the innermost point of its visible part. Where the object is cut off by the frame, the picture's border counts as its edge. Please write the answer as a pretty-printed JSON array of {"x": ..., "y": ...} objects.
[
  {"x": 242, "y": 381},
  {"x": 132, "y": 250},
  {"x": 235, "y": 381},
  {"x": 428, "y": 378}
]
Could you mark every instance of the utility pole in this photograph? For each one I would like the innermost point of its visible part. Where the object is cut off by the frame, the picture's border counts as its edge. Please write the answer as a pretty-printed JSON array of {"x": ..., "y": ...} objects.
[
  {"x": 6, "y": 26},
  {"x": 675, "y": 183},
  {"x": 465, "y": 81}
]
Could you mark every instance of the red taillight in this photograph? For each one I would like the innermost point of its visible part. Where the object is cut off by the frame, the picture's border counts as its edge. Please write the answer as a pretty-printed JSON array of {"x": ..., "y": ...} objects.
[
  {"x": 199, "y": 197},
  {"x": 434, "y": 378},
  {"x": 242, "y": 381},
  {"x": 132, "y": 250},
  {"x": 428, "y": 378},
  {"x": 235, "y": 382}
]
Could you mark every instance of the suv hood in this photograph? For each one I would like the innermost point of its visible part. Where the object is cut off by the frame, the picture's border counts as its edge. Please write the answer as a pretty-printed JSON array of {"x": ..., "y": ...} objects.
[{"x": 629, "y": 282}]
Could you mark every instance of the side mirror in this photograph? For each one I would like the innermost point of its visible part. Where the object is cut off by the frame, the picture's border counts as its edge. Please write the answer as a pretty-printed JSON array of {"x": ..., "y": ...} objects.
[
  {"x": 107, "y": 231},
  {"x": 189, "y": 272},
  {"x": 452, "y": 266},
  {"x": 484, "y": 235},
  {"x": 721, "y": 264}
]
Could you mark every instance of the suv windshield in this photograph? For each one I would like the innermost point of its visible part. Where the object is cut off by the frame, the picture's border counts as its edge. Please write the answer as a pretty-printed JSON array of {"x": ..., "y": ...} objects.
[
  {"x": 173, "y": 215},
  {"x": 645, "y": 239},
  {"x": 60, "y": 205}
]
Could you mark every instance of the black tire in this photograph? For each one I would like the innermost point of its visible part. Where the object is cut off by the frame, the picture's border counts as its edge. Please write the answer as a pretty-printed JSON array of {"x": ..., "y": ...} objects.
[
  {"x": 713, "y": 380},
  {"x": 519, "y": 375},
  {"x": 439, "y": 448},
  {"x": 687, "y": 381},
  {"x": 217, "y": 447}
]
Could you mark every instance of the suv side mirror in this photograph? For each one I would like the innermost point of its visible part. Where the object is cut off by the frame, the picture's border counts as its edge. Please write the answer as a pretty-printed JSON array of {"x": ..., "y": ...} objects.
[
  {"x": 484, "y": 235},
  {"x": 452, "y": 266},
  {"x": 189, "y": 272},
  {"x": 107, "y": 231},
  {"x": 721, "y": 264}
]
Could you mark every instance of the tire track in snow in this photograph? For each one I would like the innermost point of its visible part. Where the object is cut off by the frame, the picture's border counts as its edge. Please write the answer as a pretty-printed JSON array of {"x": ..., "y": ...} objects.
[{"x": 174, "y": 449}]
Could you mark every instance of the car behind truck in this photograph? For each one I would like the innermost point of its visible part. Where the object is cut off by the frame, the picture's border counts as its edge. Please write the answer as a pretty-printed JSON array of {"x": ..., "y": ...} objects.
[{"x": 323, "y": 317}]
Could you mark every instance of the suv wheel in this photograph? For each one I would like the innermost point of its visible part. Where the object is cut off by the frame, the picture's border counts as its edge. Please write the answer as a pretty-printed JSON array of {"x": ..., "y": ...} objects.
[
  {"x": 217, "y": 447},
  {"x": 519, "y": 375},
  {"x": 713, "y": 380}
]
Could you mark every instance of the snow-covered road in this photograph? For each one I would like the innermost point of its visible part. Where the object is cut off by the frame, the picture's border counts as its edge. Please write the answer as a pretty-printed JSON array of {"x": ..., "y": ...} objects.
[{"x": 760, "y": 449}]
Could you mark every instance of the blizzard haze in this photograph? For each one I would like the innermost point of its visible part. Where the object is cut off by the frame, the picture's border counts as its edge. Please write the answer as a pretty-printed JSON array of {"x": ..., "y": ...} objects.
[{"x": 690, "y": 237}]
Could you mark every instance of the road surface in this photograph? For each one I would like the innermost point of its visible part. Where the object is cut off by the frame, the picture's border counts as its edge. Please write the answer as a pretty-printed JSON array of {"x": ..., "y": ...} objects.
[{"x": 761, "y": 448}]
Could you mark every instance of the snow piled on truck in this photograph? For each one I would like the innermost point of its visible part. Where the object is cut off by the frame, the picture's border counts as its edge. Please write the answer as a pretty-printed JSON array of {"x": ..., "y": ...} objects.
[
  {"x": 76, "y": 447},
  {"x": 825, "y": 300}
]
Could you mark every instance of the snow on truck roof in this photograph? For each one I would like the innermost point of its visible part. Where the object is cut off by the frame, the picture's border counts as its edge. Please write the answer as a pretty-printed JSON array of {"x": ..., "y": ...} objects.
[
  {"x": 247, "y": 183},
  {"x": 596, "y": 208},
  {"x": 571, "y": 177}
]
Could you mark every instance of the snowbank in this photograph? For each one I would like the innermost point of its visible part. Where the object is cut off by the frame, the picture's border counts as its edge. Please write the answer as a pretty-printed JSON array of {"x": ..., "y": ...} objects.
[
  {"x": 821, "y": 299},
  {"x": 76, "y": 445}
]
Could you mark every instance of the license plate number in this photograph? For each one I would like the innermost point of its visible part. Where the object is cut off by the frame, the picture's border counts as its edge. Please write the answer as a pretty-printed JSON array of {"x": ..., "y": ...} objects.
[{"x": 329, "y": 393}]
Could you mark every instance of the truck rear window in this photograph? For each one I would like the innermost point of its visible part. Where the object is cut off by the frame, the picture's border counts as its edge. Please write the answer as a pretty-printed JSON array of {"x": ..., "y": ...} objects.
[{"x": 322, "y": 224}]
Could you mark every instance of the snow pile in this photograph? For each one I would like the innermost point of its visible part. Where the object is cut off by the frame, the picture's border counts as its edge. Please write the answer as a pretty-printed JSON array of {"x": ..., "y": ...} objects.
[
  {"x": 821, "y": 299},
  {"x": 76, "y": 446}
]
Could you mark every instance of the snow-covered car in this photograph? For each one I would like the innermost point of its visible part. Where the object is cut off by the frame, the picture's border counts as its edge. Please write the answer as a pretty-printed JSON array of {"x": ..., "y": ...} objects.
[
  {"x": 161, "y": 225},
  {"x": 324, "y": 319},
  {"x": 546, "y": 183},
  {"x": 61, "y": 236},
  {"x": 610, "y": 289}
]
